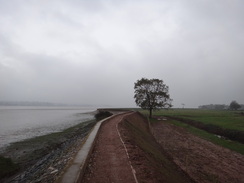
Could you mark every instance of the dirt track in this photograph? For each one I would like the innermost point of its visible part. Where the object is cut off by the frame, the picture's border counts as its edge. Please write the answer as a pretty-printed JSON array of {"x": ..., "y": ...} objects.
[
  {"x": 177, "y": 156},
  {"x": 109, "y": 161}
]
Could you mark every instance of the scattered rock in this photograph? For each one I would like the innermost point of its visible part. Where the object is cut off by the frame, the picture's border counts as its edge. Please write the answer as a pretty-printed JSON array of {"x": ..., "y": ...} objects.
[{"x": 50, "y": 166}]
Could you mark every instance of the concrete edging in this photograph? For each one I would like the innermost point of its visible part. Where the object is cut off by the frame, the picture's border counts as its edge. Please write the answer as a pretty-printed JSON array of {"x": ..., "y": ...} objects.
[{"x": 75, "y": 171}]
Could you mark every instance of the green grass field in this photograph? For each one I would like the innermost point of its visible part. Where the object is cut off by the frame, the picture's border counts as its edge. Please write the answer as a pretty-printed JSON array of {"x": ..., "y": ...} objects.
[
  {"x": 233, "y": 120},
  {"x": 232, "y": 145},
  {"x": 225, "y": 119}
]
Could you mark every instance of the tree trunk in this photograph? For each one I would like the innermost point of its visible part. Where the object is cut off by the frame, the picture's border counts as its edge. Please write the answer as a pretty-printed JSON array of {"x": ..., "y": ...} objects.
[{"x": 150, "y": 113}]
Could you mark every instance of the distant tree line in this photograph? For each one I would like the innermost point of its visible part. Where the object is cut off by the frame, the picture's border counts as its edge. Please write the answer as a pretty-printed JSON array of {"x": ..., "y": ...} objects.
[
  {"x": 214, "y": 106},
  {"x": 233, "y": 106}
]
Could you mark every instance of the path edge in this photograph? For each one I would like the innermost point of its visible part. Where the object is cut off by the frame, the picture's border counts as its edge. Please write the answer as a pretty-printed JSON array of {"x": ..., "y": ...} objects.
[{"x": 74, "y": 173}]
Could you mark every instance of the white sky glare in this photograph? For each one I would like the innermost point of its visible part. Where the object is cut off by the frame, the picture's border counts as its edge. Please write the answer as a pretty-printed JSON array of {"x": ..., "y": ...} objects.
[{"x": 92, "y": 52}]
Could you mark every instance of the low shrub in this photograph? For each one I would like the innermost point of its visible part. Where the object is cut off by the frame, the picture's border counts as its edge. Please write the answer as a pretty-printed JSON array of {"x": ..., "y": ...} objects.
[{"x": 102, "y": 114}]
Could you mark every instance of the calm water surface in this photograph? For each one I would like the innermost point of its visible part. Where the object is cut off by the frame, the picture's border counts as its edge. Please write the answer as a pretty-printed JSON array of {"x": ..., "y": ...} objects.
[{"x": 19, "y": 123}]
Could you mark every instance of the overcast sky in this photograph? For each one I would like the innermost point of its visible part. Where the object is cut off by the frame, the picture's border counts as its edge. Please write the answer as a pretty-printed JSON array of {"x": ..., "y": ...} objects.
[{"x": 92, "y": 52}]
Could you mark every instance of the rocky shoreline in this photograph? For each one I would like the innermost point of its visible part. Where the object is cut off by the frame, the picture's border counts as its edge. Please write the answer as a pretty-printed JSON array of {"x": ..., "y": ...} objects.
[{"x": 46, "y": 161}]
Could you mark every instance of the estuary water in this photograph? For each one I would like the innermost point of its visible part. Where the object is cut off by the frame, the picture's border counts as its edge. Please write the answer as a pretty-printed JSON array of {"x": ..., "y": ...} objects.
[{"x": 19, "y": 123}]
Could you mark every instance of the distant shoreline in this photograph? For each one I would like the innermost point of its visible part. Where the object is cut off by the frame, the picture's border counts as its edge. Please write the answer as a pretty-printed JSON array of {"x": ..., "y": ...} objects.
[
  {"x": 45, "y": 104},
  {"x": 24, "y": 122}
]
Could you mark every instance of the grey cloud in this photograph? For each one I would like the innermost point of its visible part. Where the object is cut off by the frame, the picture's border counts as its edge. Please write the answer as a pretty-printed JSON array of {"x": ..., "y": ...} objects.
[{"x": 93, "y": 52}]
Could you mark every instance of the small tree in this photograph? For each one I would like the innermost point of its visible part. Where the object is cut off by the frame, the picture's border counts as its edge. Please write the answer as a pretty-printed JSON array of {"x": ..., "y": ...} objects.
[
  {"x": 234, "y": 105},
  {"x": 152, "y": 94}
]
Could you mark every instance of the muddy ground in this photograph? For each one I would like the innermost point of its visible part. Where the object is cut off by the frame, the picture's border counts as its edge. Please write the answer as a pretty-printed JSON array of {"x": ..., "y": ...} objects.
[{"x": 44, "y": 158}]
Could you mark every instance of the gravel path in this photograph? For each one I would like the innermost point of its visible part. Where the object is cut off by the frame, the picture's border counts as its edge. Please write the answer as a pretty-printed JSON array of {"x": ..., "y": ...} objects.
[{"x": 109, "y": 161}]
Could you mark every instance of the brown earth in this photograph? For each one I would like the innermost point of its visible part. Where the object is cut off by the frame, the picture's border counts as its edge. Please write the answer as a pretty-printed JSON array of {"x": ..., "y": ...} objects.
[
  {"x": 137, "y": 157},
  {"x": 171, "y": 154},
  {"x": 202, "y": 160},
  {"x": 109, "y": 162}
]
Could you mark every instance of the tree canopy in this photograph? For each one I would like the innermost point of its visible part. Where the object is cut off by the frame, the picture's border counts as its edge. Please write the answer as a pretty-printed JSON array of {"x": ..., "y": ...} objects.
[
  {"x": 234, "y": 105},
  {"x": 152, "y": 94}
]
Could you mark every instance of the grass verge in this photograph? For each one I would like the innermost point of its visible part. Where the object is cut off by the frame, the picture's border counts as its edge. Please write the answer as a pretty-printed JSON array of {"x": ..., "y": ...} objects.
[{"x": 157, "y": 158}]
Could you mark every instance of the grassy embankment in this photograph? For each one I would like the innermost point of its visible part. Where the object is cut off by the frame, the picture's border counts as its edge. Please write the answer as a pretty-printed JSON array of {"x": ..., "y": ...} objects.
[
  {"x": 231, "y": 122},
  {"x": 24, "y": 153},
  {"x": 159, "y": 165}
]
